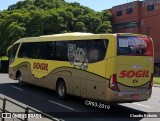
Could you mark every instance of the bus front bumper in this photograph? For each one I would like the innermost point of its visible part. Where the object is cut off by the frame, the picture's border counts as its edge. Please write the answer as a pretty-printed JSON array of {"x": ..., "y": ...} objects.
[{"x": 12, "y": 74}]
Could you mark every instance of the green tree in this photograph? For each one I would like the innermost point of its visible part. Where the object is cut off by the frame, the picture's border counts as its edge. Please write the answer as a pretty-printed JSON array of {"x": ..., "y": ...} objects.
[
  {"x": 16, "y": 31},
  {"x": 34, "y": 26},
  {"x": 80, "y": 27},
  {"x": 104, "y": 28},
  {"x": 42, "y": 17}
]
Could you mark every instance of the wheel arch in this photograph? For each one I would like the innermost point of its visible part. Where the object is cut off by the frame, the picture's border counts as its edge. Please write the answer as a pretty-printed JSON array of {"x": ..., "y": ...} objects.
[{"x": 18, "y": 72}]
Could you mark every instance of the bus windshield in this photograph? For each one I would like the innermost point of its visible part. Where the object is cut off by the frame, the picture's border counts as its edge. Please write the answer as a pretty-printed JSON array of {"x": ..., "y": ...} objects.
[{"x": 134, "y": 45}]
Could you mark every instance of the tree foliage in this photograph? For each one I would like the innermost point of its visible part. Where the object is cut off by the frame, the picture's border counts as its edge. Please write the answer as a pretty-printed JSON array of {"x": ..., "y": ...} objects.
[{"x": 42, "y": 17}]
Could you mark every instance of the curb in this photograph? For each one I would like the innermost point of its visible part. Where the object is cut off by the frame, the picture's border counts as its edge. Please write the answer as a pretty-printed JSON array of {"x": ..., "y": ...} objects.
[{"x": 156, "y": 85}]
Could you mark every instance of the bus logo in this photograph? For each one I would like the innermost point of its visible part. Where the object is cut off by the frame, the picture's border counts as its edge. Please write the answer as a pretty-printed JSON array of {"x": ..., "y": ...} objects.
[
  {"x": 40, "y": 66},
  {"x": 133, "y": 73}
]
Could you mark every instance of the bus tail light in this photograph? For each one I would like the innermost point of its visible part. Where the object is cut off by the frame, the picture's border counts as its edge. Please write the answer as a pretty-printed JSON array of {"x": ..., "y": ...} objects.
[
  {"x": 151, "y": 82},
  {"x": 113, "y": 83}
]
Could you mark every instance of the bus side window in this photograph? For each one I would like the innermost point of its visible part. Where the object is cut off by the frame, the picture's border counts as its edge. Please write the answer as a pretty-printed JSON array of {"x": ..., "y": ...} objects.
[
  {"x": 61, "y": 51},
  {"x": 96, "y": 50},
  {"x": 23, "y": 51},
  {"x": 51, "y": 47},
  {"x": 47, "y": 50},
  {"x": 34, "y": 50},
  {"x": 95, "y": 57}
]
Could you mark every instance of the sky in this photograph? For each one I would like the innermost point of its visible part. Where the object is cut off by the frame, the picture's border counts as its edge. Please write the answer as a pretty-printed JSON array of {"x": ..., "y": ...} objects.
[{"x": 96, "y": 5}]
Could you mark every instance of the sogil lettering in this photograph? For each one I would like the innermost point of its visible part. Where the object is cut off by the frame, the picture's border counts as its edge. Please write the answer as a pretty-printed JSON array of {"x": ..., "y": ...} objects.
[
  {"x": 133, "y": 73},
  {"x": 40, "y": 66}
]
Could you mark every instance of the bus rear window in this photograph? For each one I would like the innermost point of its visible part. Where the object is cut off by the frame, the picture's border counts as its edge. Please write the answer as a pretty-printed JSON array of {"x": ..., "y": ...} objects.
[{"x": 134, "y": 45}]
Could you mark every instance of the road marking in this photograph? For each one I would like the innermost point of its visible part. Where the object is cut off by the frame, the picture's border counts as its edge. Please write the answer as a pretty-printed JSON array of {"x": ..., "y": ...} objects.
[
  {"x": 62, "y": 105},
  {"x": 17, "y": 88},
  {"x": 142, "y": 105}
]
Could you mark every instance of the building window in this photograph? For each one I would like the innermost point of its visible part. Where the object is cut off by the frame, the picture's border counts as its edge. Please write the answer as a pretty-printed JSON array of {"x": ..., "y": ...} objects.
[
  {"x": 119, "y": 13},
  {"x": 150, "y": 7},
  {"x": 132, "y": 24},
  {"x": 129, "y": 11}
]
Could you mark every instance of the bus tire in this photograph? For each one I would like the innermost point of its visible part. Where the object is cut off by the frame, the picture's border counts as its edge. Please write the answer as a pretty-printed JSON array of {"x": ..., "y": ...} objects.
[
  {"x": 61, "y": 89},
  {"x": 20, "y": 79}
]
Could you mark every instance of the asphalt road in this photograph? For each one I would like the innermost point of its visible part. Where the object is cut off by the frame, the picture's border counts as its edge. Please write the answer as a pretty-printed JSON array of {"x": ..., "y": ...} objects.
[{"x": 74, "y": 108}]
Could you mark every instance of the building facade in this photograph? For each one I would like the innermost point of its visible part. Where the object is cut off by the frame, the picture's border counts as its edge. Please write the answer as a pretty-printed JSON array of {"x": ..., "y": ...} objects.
[{"x": 141, "y": 17}]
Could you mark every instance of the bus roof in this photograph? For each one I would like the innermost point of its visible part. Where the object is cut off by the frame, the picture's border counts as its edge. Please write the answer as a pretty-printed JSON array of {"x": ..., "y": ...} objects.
[
  {"x": 57, "y": 37},
  {"x": 68, "y": 36}
]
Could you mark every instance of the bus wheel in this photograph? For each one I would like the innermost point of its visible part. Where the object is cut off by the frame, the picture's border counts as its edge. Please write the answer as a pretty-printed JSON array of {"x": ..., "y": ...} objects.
[
  {"x": 20, "y": 80},
  {"x": 61, "y": 89}
]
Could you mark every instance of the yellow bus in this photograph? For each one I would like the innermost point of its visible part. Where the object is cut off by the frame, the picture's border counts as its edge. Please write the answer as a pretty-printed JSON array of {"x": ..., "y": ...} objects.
[{"x": 104, "y": 67}]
